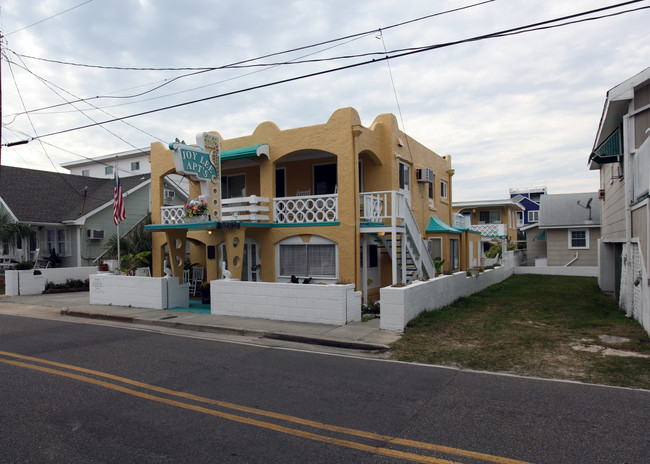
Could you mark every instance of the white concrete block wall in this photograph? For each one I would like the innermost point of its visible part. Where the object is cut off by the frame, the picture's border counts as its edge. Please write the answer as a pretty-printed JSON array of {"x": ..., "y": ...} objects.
[
  {"x": 578, "y": 271},
  {"x": 140, "y": 292},
  {"x": 325, "y": 304},
  {"x": 28, "y": 282},
  {"x": 178, "y": 295},
  {"x": 401, "y": 304}
]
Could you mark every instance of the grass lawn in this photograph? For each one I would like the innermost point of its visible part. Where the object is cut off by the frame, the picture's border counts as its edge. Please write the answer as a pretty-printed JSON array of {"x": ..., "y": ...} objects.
[{"x": 533, "y": 325}]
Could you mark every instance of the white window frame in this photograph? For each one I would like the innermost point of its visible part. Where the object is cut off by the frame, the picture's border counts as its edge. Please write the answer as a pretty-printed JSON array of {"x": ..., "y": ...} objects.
[
  {"x": 490, "y": 216},
  {"x": 135, "y": 166},
  {"x": 570, "y": 237},
  {"x": 108, "y": 170},
  {"x": 314, "y": 240},
  {"x": 432, "y": 194},
  {"x": 85, "y": 172},
  {"x": 444, "y": 189},
  {"x": 533, "y": 216},
  {"x": 442, "y": 251},
  {"x": 404, "y": 177},
  {"x": 61, "y": 242},
  {"x": 227, "y": 177}
]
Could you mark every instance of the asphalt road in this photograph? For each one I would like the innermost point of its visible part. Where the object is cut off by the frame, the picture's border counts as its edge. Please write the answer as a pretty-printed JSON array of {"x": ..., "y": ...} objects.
[{"x": 76, "y": 393}]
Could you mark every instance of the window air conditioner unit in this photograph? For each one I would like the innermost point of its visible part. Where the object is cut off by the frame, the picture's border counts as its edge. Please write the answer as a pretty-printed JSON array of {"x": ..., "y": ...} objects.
[
  {"x": 95, "y": 234},
  {"x": 170, "y": 194},
  {"x": 424, "y": 175}
]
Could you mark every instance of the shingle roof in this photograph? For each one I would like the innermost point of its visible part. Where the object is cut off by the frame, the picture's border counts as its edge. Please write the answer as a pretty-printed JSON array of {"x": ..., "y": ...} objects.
[
  {"x": 50, "y": 197},
  {"x": 563, "y": 210}
]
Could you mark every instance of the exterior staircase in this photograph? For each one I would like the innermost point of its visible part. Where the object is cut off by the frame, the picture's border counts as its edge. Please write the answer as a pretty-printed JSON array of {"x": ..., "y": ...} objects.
[{"x": 412, "y": 255}]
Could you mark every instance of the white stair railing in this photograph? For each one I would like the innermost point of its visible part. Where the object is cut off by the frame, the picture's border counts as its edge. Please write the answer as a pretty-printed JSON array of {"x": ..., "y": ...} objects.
[{"x": 415, "y": 244}]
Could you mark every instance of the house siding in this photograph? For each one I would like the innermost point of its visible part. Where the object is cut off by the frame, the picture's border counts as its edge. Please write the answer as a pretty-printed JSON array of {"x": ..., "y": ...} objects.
[
  {"x": 639, "y": 227},
  {"x": 534, "y": 248},
  {"x": 558, "y": 253},
  {"x": 135, "y": 204},
  {"x": 613, "y": 206}
]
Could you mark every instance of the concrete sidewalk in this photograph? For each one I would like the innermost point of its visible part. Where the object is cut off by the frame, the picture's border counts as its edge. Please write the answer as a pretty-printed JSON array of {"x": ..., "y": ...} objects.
[{"x": 356, "y": 335}]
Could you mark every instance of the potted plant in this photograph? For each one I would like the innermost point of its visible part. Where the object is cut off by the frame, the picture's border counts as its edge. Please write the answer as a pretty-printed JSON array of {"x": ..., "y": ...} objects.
[
  {"x": 194, "y": 210},
  {"x": 438, "y": 262}
]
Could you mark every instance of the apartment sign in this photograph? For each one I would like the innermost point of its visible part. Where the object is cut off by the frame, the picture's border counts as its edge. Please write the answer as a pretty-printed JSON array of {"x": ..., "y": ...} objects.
[{"x": 194, "y": 162}]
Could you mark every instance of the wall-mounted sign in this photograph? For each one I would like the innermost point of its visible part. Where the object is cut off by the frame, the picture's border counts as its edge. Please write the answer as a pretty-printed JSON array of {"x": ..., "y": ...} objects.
[
  {"x": 202, "y": 163},
  {"x": 193, "y": 161}
]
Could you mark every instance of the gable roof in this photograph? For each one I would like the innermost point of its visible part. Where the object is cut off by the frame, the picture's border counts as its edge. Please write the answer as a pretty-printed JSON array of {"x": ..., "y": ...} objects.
[
  {"x": 563, "y": 210},
  {"x": 507, "y": 202},
  {"x": 615, "y": 108},
  {"x": 436, "y": 226},
  {"x": 49, "y": 197}
]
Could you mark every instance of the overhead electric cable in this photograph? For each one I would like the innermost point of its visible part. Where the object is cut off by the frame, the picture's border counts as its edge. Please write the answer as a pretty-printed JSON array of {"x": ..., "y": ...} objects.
[
  {"x": 408, "y": 52},
  {"x": 46, "y": 19},
  {"x": 48, "y": 84},
  {"x": 241, "y": 64},
  {"x": 212, "y": 68}
]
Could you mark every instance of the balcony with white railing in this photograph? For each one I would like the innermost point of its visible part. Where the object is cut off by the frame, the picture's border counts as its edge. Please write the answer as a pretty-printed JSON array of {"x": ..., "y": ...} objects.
[
  {"x": 375, "y": 207},
  {"x": 490, "y": 230},
  {"x": 251, "y": 209},
  {"x": 380, "y": 207},
  {"x": 306, "y": 209}
]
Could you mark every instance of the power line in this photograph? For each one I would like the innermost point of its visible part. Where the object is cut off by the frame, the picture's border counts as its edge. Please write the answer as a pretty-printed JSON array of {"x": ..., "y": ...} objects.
[
  {"x": 46, "y": 19},
  {"x": 399, "y": 54},
  {"x": 243, "y": 63},
  {"x": 239, "y": 63}
]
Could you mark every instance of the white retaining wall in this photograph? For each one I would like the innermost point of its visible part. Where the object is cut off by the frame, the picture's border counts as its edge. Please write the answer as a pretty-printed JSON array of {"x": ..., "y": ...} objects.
[
  {"x": 32, "y": 281},
  {"x": 401, "y": 304},
  {"x": 578, "y": 271},
  {"x": 324, "y": 304},
  {"x": 139, "y": 292}
]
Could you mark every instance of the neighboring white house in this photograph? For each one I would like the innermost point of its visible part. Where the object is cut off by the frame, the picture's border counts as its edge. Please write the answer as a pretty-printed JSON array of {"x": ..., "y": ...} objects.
[
  {"x": 71, "y": 214},
  {"x": 567, "y": 231},
  {"x": 621, "y": 153},
  {"x": 130, "y": 163}
]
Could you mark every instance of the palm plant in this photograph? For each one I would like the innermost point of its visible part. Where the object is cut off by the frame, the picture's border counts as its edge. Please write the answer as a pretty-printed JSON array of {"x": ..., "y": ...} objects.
[{"x": 11, "y": 231}]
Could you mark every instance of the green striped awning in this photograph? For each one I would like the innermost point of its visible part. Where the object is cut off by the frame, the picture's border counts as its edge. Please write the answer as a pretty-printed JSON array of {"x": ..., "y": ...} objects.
[
  {"x": 610, "y": 150},
  {"x": 254, "y": 151}
]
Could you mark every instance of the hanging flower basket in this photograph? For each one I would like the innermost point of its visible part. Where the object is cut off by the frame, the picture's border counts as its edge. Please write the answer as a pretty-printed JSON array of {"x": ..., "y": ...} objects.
[
  {"x": 195, "y": 211},
  {"x": 194, "y": 219}
]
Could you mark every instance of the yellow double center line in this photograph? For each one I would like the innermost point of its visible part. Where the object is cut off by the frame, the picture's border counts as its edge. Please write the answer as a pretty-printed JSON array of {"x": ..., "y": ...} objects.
[{"x": 257, "y": 423}]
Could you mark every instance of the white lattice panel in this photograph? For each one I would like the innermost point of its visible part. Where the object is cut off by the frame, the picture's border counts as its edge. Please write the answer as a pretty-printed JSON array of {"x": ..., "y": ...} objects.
[
  {"x": 171, "y": 214},
  {"x": 298, "y": 210}
]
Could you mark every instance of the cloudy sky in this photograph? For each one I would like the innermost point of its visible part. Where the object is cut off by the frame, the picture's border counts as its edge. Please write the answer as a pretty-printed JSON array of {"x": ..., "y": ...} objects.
[{"x": 513, "y": 111}]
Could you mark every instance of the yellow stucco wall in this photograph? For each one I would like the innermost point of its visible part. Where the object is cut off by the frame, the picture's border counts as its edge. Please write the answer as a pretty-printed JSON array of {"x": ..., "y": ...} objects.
[{"x": 342, "y": 140}]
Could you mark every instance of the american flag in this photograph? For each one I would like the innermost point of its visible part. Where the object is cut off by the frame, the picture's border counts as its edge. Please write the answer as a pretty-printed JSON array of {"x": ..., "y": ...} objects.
[{"x": 119, "y": 213}]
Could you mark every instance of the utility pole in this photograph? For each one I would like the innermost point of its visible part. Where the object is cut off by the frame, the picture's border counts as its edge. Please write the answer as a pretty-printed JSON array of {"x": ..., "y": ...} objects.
[{"x": 1, "y": 39}]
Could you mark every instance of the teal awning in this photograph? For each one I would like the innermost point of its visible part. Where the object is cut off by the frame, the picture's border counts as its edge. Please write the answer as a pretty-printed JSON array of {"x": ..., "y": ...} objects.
[
  {"x": 610, "y": 150},
  {"x": 436, "y": 226},
  {"x": 254, "y": 151}
]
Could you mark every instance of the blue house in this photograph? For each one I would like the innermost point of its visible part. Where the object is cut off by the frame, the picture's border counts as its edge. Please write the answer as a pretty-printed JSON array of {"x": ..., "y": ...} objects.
[{"x": 529, "y": 198}]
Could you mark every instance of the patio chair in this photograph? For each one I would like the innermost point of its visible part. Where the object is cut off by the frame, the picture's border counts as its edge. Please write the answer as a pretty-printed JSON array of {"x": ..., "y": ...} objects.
[
  {"x": 143, "y": 272},
  {"x": 197, "y": 279},
  {"x": 303, "y": 193},
  {"x": 186, "y": 276}
]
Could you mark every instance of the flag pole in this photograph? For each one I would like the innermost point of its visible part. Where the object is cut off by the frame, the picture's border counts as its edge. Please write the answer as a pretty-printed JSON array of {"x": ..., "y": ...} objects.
[{"x": 119, "y": 261}]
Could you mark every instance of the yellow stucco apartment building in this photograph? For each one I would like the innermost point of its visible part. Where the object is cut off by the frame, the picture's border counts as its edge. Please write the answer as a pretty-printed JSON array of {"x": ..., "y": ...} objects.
[{"x": 335, "y": 202}]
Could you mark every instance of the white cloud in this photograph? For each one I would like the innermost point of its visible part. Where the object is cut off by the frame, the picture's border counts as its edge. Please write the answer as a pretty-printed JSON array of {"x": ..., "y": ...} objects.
[{"x": 511, "y": 111}]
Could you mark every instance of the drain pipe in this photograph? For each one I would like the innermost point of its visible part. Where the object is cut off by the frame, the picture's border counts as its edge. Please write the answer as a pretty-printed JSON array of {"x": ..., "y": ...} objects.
[{"x": 575, "y": 258}]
